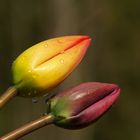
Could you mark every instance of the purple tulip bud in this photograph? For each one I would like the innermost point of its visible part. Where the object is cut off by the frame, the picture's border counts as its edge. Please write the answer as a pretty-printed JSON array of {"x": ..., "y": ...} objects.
[{"x": 82, "y": 105}]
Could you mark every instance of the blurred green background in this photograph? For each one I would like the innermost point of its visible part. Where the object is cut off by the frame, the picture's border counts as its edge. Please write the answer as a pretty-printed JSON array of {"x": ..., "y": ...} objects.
[{"x": 113, "y": 57}]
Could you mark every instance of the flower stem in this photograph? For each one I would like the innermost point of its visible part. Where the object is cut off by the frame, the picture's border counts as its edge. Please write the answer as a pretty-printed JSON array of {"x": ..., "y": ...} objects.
[
  {"x": 29, "y": 127},
  {"x": 6, "y": 96}
]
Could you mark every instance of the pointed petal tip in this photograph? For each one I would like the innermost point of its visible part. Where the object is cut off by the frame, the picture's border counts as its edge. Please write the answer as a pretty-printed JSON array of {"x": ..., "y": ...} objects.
[
  {"x": 85, "y": 37},
  {"x": 79, "y": 37}
]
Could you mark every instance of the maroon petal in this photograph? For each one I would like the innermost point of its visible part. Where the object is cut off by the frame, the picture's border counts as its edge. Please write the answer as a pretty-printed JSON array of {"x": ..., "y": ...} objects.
[{"x": 79, "y": 106}]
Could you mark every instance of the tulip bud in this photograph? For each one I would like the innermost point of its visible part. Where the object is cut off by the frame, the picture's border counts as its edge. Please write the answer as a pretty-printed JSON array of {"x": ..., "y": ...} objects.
[
  {"x": 79, "y": 106},
  {"x": 45, "y": 65}
]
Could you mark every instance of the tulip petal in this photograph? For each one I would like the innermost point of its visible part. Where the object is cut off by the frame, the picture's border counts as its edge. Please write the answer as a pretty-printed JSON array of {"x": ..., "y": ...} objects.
[
  {"x": 60, "y": 66},
  {"x": 45, "y": 65},
  {"x": 94, "y": 112},
  {"x": 79, "y": 106}
]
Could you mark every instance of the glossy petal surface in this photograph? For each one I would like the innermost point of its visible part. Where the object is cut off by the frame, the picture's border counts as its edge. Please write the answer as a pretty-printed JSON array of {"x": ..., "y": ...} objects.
[
  {"x": 81, "y": 105},
  {"x": 45, "y": 65}
]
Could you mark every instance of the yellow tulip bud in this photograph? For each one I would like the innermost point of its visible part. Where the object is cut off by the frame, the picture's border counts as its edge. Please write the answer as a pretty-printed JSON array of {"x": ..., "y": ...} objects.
[{"x": 43, "y": 66}]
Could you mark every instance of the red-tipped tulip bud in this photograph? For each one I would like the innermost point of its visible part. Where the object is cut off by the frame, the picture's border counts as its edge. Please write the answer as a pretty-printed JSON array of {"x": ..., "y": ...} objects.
[
  {"x": 79, "y": 106},
  {"x": 45, "y": 65}
]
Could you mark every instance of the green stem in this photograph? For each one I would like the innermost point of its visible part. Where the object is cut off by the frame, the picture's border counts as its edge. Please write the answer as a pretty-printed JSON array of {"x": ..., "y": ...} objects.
[
  {"x": 29, "y": 127},
  {"x": 6, "y": 96}
]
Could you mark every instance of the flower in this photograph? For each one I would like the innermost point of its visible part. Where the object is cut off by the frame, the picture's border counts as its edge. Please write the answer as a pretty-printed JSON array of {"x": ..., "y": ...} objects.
[
  {"x": 82, "y": 105},
  {"x": 43, "y": 66}
]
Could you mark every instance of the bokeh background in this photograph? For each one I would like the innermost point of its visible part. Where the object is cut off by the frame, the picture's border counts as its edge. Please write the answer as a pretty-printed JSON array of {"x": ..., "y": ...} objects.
[{"x": 114, "y": 56}]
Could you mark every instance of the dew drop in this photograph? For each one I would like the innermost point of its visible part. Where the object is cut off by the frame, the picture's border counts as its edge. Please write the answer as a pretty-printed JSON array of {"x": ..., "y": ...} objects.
[
  {"x": 22, "y": 59},
  {"x": 46, "y": 45},
  {"x": 88, "y": 92},
  {"x": 60, "y": 41},
  {"x": 62, "y": 61}
]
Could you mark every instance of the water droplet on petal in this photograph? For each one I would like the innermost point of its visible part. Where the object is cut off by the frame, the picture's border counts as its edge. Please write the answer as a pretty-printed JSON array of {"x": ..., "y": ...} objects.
[
  {"x": 46, "y": 45},
  {"x": 62, "y": 61},
  {"x": 60, "y": 41},
  {"x": 22, "y": 60}
]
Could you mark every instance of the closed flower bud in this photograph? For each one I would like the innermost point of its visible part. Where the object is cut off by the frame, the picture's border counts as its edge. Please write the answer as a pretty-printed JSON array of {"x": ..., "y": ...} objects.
[
  {"x": 82, "y": 105},
  {"x": 45, "y": 65}
]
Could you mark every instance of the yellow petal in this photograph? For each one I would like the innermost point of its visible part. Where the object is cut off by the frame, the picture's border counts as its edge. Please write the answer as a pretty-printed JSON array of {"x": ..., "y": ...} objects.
[{"x": 45, "y": 65}]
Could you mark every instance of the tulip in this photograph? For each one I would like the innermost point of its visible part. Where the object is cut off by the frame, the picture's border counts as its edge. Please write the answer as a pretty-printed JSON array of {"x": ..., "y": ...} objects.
[
  {"x": 45, "y": 65},
  {"x": 73, "y": 108},
  {"x": 82, "y": 105}
]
